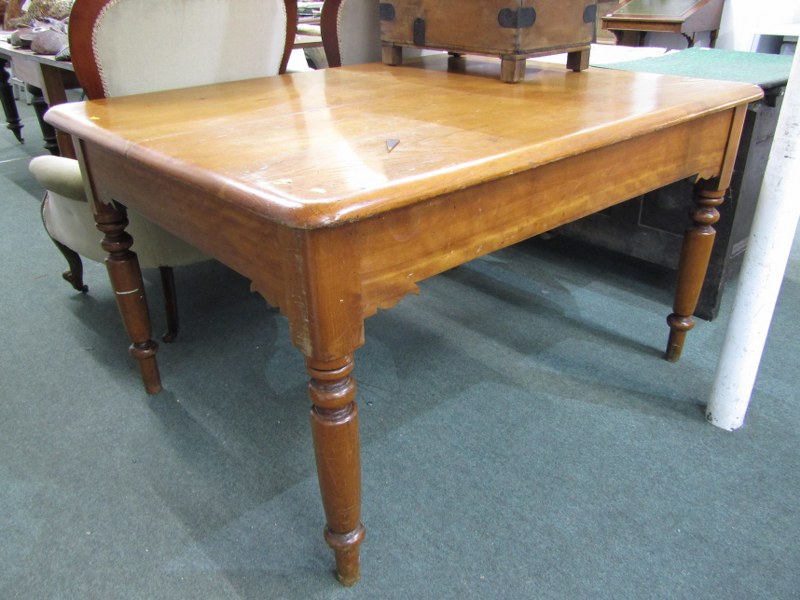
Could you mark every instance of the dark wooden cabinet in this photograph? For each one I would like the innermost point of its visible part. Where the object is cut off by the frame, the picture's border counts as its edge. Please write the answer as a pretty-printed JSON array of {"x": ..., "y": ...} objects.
[{"x": 651, "y": 227}]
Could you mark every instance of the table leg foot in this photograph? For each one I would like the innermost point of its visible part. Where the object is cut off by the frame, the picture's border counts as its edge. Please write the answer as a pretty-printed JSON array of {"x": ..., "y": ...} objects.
[
  {"x": 126, "y": 280},
  {"x": 677, "y": 336},
  {"x": 346, "y": 550},
  {"x": 695, "y": 254},
  {"x": 334, "y": 429},
  {"x": 145, "y": 355}
]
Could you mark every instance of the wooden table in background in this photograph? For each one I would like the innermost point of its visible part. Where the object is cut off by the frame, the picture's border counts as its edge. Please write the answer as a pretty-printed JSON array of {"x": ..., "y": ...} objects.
[
  {"x": 289, "y": 181},
  {"x": 635, "y": 18},
  {"x": 48, "y": 79}
]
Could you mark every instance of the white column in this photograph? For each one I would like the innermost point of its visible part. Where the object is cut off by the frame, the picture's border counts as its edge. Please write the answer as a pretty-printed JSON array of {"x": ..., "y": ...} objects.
[{"x": 762, "y": 272}]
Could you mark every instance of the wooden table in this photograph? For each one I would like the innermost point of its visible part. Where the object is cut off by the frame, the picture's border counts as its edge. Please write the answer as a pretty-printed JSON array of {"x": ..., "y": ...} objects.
[
  {"x": 289, "y": 181},
  {"x": 635, "y": 18},
  {"x": 47, "y": 78}
]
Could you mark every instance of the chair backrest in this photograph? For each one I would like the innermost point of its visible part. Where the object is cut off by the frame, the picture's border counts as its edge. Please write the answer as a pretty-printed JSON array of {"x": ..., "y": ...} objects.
[
  {"x": 122, "y": 47},
  {"x": 351, "y": 31}
]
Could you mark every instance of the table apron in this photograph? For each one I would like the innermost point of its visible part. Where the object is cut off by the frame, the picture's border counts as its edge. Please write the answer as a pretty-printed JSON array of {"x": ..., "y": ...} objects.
[
  {"x": 400, "y": 248},
  {"x": 649, "y": 26},
  {"x": 344, "y": 273}
]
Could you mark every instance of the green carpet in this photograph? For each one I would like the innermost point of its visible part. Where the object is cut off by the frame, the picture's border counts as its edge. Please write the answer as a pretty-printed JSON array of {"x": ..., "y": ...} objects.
[{"x": 766, "y": 70}]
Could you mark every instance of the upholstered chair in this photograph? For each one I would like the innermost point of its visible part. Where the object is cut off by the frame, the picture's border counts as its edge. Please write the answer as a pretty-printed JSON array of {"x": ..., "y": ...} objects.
[
  {"x": 69, "y": 221},
  {"x": 351, "y": 32},
  {"x": 122, "y": 47}
]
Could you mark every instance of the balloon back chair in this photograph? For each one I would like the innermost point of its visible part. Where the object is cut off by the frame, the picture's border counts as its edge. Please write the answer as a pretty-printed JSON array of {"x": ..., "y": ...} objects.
[
  {"x": 122, "y": 47},
  {"x": 351, "y": 32}
]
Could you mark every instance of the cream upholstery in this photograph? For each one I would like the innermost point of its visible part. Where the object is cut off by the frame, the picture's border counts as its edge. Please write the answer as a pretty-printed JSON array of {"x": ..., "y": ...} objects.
[
  {"x": 149, "y": 45},
  {"x": 65, "y": 210},
  {"x": 357, "y": 31},
  {"x": 137, "y": 46}
]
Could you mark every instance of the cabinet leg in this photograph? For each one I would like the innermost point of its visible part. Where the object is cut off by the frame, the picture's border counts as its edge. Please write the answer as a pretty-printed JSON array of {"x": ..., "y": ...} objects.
[
  {"x": 334, "y": 429},
  {"x": 695, "y": 253}
]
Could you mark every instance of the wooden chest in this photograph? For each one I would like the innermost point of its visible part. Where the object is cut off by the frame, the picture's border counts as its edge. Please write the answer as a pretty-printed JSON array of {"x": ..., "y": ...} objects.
[{"x": 514, "y": 30}]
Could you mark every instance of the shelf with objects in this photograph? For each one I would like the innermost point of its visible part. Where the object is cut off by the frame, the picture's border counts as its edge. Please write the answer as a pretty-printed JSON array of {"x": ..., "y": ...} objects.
[{"x": 34, "y": 47}]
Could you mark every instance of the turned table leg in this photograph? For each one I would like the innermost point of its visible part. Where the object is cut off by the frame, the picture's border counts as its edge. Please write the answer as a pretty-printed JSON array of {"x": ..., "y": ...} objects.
[
  {"x": 9, "y": 106},
  {"x": 695, "y": 253},
  {"x": 334, "y": 429},
  {"x": 126, "y": 281},
  {"x": 40, "y": 107}
]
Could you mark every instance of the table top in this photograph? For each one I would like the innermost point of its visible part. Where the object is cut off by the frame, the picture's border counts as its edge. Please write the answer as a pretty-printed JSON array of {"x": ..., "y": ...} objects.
[
  {"x": 309, "y": 150},
  {"x": 656, "y": 9},
  {"x": 667, "y": 11}
]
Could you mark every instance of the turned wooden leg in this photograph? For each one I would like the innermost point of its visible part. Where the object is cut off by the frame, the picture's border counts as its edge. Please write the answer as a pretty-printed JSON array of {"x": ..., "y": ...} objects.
[
  {"x": 9, "y": 106},
  {"x": 170, "y": 304},
  {"x": 695, "y": 253},
  {"x": 334, "y": 429},
  {"x": 48, "y": 131},
  {"x": 126, "y": 281}
]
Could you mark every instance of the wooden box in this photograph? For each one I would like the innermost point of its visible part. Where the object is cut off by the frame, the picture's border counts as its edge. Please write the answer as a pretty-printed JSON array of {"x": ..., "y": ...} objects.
[{"x": 514, "y": 30}]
